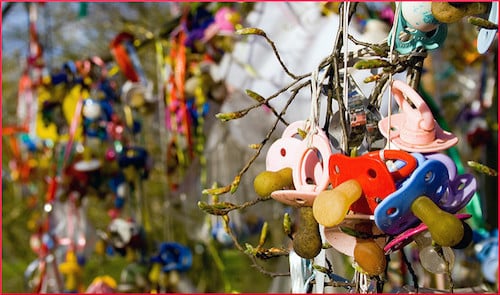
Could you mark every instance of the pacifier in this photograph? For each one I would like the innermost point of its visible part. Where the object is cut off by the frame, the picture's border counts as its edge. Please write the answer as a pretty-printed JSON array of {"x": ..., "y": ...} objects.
[
  {"x": 419, "y": 16},
  {"x": 393, "y": 215},
  {"x": 173, "y": 256},
  {"x": 487, "y": 253},
  {"x": 417, "y": 199},
  {"x": 309, "y": 173},
  {"x": 368, "y": 172},
  {"x": 414, "y": 129},
  {"x": 461, "y": 188},
  {"x": 91, "y": 109},
  {"x": 407, "y": 162},
  {"x": 124, "y": 53},
  {"x": 416, "y": 28},
  {"x": 102, "y": 285},
  {"x": 459, "y": 191},
  {"x": 486, "y": 37},
  {"x": 367, "y": 252}
]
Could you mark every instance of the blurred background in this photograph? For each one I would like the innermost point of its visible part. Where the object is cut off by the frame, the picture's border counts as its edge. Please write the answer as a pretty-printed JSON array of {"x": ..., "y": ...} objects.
[{"x": 118, "y": 188}]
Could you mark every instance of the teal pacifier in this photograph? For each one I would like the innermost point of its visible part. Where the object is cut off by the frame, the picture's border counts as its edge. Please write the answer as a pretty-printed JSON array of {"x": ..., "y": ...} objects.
[{"x": 408, "y": 37}]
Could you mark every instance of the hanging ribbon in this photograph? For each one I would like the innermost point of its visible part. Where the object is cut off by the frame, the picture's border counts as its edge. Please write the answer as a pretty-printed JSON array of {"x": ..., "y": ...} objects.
[
  {"x": 123, "y": 50},
  {"x": 26, "y": 106},
  {"x": 180, "y": 118}
]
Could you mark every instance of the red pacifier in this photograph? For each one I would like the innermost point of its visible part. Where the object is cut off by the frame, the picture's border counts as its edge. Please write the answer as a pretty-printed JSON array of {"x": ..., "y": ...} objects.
[
  {"x": 366, "y": 173},
  {"x": 414, "y": 129},
  {"x": 306, "y": 158},
  {"x": 395, "y": 155},
  {"x": 372, "y": 174}
]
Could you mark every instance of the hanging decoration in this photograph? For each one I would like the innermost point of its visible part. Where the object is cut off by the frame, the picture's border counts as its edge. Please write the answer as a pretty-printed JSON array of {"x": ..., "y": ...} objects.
[
  {"x": 389, "y": 181},
  {"x": 369, "y": 202}
]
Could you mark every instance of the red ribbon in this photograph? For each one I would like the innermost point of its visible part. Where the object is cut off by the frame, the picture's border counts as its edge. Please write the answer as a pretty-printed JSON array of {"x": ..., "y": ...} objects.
[{"x": 119, "y": 51}]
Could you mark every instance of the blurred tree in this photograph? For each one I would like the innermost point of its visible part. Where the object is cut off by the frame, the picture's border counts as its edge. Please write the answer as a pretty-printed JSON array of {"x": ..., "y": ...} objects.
[{"x": 76, "y": 31}]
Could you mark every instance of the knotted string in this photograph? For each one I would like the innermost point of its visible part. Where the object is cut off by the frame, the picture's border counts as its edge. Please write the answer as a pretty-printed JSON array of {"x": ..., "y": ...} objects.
[
  {"x": 313, "y": 122},
  {"x": 391, "y": 60},
  {"x": 345, "y": 35}
]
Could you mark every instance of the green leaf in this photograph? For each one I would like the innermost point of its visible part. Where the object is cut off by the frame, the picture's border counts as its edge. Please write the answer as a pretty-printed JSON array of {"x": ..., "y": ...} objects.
[
  {"x": 482, "y": 23},
  {"x": 251, "y": 31},
  {"x": 250, "y": 249},
  {"x": 482, "y": 168},
  {"x": 371, "y": 64},
  {"x": 231, "y": 115},
  {"x": 216, "y": 191},
  {"x": 359, "y": 235},
  {"x": 263, "y": 234},
  {"x": 235, "y": 184},
  {"x": 287, "y": 224},
  {"x": 255, "y": 96},
  {"x": 218, "y": 208},
  {"x": 354, "y": 233}
]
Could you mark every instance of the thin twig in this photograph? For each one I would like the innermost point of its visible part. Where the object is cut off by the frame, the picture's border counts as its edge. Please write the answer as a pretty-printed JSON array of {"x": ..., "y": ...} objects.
[
  {"x": 273, "y": 96},
  {"x": 276, "y": 53},
  {"x": 379, "y": 50},
  {"x": 269, "y": 133},
  {"x": 415, "y": 70},
  {"x": 253, "y": 258},
  {"x": 233, "y": 186},
  {"x": 410, "y": 269},
  {"x": 378, "y": 91}
]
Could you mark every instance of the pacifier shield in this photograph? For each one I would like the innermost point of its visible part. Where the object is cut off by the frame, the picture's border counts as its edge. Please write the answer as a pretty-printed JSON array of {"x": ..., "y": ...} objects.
[
  {"x": 372, "y": 174},
  {"x": 414, "y": 129}
]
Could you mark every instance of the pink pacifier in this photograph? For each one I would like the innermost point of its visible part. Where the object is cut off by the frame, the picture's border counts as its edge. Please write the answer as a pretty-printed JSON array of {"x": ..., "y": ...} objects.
[
  {"x": 414, "y": 129},
  {"x": 345, "y": 243},
  {"x": 310, "y": 175},
  {"x": 283, "y": 152}
]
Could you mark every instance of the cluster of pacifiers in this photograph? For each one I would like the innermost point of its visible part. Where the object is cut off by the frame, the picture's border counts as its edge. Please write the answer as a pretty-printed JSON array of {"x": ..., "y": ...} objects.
[{"x": 374, "y": 204}]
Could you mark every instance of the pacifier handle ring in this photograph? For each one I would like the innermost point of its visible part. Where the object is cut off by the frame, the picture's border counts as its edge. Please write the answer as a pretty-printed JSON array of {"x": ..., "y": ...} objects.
[
  {"x": 399, "y": 91},
  {"x": 405, "y": 171},
  {"x": 447, "y": 161},
  {"x": 486, "y": 37},
  {"x": 323, "y": 146}
]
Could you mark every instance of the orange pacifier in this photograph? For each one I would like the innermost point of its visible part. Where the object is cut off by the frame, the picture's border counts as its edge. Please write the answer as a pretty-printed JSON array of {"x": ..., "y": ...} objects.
[
  {"x": 372, "y": 174},
  {"x": 360, "y": 184}
]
